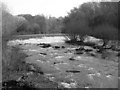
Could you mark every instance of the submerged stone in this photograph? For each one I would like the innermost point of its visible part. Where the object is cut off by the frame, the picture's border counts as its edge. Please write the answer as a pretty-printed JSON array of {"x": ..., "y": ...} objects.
[{"x": 73, "y": 71}]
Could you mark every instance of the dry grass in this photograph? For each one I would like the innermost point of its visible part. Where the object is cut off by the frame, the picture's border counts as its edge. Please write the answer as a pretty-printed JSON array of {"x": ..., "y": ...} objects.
[{"x": 12, "y": 61}]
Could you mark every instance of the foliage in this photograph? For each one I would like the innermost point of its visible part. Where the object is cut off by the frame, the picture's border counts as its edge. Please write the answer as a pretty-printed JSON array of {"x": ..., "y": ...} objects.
[
  {"x": 40, "y": 24},
  {"x": 106, "y": 32},
  {"x": 12, "y": 58},
  {"x": 54, "y": 25},
  {"x": 9, "y": 22},
  {"x": 13, "y": 61},
  {"x": 94, "y": 19},
  {"x": 41, "y": 21}
]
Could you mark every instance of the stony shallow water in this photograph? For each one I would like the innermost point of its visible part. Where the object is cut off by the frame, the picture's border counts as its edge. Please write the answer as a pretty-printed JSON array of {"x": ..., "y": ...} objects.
[{"x": 60, "y": 64}]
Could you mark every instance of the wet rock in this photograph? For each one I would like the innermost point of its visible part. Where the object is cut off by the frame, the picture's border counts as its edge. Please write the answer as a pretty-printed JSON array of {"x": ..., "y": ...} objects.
[
  {"x": 23, "y": 77},
  {"x": 96, "y": 47},
  {"x": 35, "y": 69},
  {"x": 88, "y": 49},
  {"x": 73, "y": 71},
  {"x": 80, "y": 49},
  {"x": 62, "y": 46},
  {"x": 31, "y": 68},
  {"x": 93, "y": 41},
  {"x": 55, "y": 63},
  {"x": 43, "y": 45},
  {"x": 71, "y": 59},
  {"x": 92, "y": 54},
  {"x": 58, "y": 62},
  {"x": 100, "y": 50},
  {"x": 43, "y": 53},
  {"x": 109, "y": 76},
  {"x": 56, "y": 47}
]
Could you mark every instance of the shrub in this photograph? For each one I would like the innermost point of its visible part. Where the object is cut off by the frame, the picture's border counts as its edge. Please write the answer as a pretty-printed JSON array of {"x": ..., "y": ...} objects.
[{"x": 13, "y": 60}]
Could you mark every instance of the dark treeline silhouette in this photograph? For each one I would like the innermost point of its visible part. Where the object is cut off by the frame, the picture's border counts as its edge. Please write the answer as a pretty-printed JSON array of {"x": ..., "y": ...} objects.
[{"x": 95, "y": 19}]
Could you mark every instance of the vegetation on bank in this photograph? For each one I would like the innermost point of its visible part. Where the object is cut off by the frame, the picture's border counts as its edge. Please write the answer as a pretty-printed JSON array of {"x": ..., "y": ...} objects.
[
  {"x": 39, "y": 24},
  {"x": 91, "y": 18},
  {"x": 99, "y": 20},
  {"x": 95, "y": 19},
  {"x": 15, "y": 71}
]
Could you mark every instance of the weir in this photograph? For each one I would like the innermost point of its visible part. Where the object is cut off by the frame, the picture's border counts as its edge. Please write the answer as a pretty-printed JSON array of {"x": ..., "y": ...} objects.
[{"x": 40, "y": 35}]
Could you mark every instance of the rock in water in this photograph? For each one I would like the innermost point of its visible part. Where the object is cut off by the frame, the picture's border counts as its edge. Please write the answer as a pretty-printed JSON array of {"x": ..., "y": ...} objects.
[
  {"x": 73, "y": 71},
  {"x": 71, "y": 59},
  {"x": 56, "y": 47},
  {"x": 43, "y": 45},
  {"x": 62, "y": 46},
  {"x": 43, "y": 53},
  {"x": 80, "y": 49}
]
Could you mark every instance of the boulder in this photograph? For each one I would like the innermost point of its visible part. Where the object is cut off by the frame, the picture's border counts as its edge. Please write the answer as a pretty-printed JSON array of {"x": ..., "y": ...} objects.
[
  {"x": 43, "y": 53},
  {"x": 92, "y": 53},
  {"x": 43, "y": 45},
  {"x": 79, "y": 49},
  {"x": 93, "y": 40},
  {"x": 62, "y": 46},
  {"x": 71, "y": 59},
  {"x": 88, "y": 49},
  {"x": 56, "y": 47},
  {"x": 73, "y": 71}
]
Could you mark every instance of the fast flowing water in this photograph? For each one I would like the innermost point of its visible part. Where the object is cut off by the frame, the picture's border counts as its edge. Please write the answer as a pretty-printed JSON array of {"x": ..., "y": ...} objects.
[{"x": 60, "y": 63}]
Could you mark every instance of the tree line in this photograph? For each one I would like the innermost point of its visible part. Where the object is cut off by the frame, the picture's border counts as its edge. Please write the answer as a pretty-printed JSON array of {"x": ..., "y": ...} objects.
[
  {"x": 27, "y": 24},
  {"x": 95, "y": 19},
  {"x": 98, "y": 19},
  {"x": 39, "y": 24}
]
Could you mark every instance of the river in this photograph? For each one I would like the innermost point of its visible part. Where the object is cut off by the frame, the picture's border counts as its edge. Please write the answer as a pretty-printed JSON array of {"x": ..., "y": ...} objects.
[{"x": 62, "y": 65}]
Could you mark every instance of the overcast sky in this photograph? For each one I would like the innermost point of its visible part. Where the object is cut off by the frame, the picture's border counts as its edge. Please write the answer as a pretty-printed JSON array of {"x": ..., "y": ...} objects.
[{"x": 47, "y": 7}]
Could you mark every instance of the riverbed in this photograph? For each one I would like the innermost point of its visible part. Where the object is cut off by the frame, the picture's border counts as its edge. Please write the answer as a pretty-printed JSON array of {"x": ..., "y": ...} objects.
[{"x": 61, "y": 63}]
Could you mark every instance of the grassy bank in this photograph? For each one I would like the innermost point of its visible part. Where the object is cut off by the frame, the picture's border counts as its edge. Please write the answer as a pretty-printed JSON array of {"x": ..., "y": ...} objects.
[
  {"x": 12, "y": 60},
  {"x": 18, "y": 74}
]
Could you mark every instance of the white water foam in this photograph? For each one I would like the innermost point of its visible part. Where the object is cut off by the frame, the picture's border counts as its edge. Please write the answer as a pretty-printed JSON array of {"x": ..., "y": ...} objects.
[{"x": 48, "y": 40}]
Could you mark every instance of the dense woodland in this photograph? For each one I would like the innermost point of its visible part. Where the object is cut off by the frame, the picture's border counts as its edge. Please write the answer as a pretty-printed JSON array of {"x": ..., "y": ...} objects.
[
  {"x": 95, "y": 19},
  {"x": 92, "y": 18}
]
